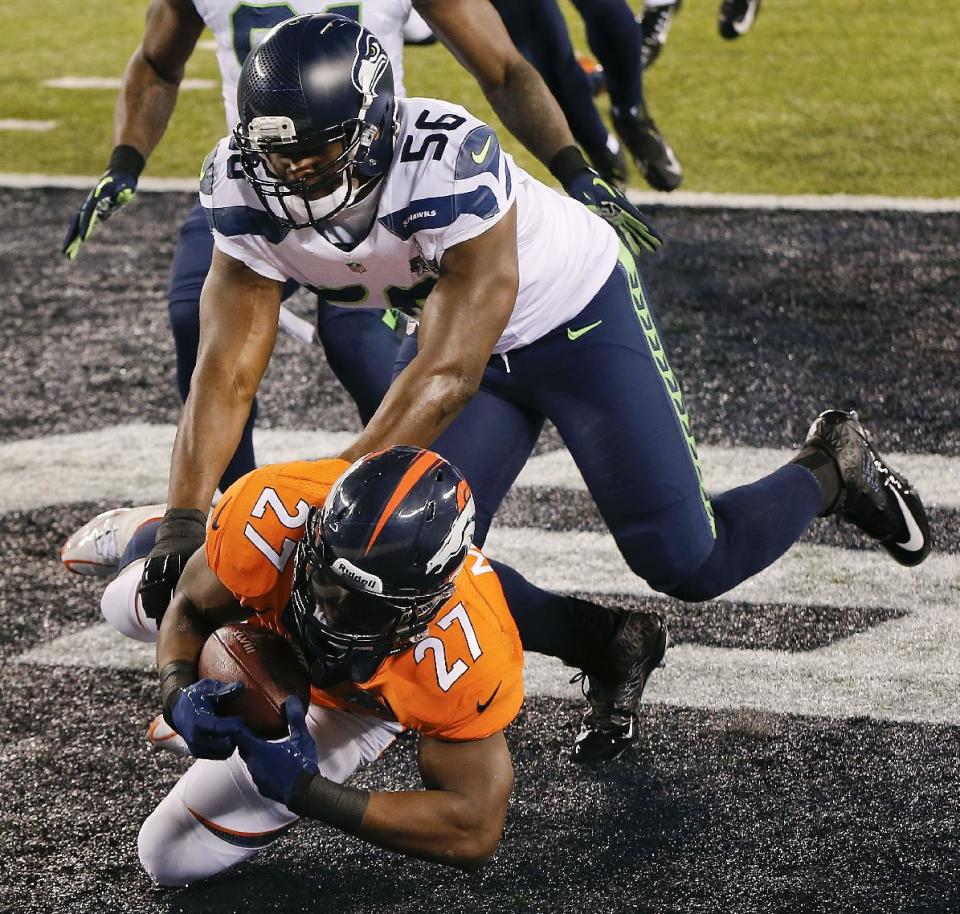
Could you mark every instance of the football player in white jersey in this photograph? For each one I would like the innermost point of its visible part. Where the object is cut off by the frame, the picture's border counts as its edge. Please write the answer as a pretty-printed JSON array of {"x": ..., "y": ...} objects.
[
  {"x": 530, "y": 307},
  {"x": 357, "y": 343}
]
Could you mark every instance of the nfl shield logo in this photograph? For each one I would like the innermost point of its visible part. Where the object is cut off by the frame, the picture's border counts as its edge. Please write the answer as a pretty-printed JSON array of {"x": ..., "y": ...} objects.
[{"x": 357, "y": 267}]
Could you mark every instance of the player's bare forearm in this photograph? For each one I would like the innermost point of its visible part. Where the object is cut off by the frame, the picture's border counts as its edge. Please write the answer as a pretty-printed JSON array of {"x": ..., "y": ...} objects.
[
  {"x": 477, "y": 37},
  {"x": 463, "y": 317},
  {"x": 148, "y": 93},
  {"x": 200, "y": 605},
  {"x": 144, "y": 107},
  {"x": 457, "y": 820},
  {"x": 238, "y": 329}
]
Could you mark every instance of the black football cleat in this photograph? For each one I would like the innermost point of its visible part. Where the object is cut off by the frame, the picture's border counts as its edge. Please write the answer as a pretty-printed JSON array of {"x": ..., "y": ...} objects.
[
  {"x": 655, "y": 25},
  {"x": 652, "y": 153},
  {"x": 611, "y": 166},
  {"x": 736, "y": 17},
  {"x": 609, "y": 725},
  {"x": 872, "y": 496}
]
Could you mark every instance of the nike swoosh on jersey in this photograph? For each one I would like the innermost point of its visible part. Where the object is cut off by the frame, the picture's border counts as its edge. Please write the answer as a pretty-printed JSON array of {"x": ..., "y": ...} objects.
[
  {"x": 914, "y": 541},
  {"x": 576, "y": 334},
  {"x": 478, "y": 157},
  {"x": 482, "y": 706},
  {"x": 215, "y": 523}
]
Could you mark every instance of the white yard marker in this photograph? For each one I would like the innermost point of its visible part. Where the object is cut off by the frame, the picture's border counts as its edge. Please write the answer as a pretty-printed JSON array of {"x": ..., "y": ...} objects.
[
  {"x": 683, "y": 199},
  {"x": 111, "y": 82},
  {"x": 13, "y": 123},
  {"x": 129, "y": 463}
]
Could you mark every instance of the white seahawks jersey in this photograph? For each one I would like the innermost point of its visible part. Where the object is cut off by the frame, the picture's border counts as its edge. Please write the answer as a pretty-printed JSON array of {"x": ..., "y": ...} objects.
[
  {"x": 239, "y": 27},
  {"x": 449, "y": 182}
]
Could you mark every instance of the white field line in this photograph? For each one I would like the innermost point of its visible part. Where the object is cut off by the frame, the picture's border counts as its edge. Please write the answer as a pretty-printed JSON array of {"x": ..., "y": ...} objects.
[
  {"x": 907, "y": 669},
  {"x": 208, "y": 44},
  {"x": 112, "y": 82},
  {"x": 124, "y": 463},
  {"x": 815, "y": 202},
  {"x": 129, "y": 464},
  {"x": 13, "y": 123},
  {"x": 684, "y": 199}
]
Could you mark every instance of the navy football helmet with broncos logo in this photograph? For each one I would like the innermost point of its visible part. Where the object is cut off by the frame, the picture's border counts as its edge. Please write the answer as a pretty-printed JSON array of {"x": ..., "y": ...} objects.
[
  {"x": 378, "y": 560},
  {"x": 316, "y": 81}
]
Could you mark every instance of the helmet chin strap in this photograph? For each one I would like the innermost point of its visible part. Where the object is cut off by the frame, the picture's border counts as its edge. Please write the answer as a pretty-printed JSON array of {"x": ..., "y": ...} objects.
[{"x": 322, "y": 207}]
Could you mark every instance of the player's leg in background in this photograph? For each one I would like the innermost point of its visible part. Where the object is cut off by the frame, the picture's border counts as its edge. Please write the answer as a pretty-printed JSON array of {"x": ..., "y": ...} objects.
[
  {"x": 215, "y": 817},
  {"x": 489, "y": 441},
  {"x": 539, "y": 31},
  {"x": 616, "y": 40},
  {"x": 617, "y": 403},
  {"x": 361, "y": 346},
  {"x": 191, "y": 263}
]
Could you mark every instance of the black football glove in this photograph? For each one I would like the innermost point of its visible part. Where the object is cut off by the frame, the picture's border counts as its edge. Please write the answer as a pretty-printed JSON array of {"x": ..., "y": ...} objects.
[
  {"x": 582, "y": 183},
  {"x": 181, "y": 533},
  {"x": 113, "y": 190}
]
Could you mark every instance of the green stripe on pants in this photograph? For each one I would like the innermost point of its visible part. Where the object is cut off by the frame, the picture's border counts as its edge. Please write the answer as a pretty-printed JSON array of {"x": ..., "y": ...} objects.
[{"x": 642, "y": 310}]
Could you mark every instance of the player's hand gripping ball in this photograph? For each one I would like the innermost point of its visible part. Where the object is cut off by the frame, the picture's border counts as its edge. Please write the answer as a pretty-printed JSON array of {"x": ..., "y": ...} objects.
[
  {"x": 276, "y": 766},
  {"x": 270, "y": 669}
]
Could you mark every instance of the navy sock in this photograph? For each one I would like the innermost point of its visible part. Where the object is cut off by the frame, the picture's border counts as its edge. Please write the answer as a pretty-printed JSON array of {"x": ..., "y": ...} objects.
[
  {"x": 576, "y": 631},
  {"x": 756, "y": 524}
]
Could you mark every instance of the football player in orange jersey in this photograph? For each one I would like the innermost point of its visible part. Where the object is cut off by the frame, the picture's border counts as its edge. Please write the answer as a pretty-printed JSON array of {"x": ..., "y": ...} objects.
[{"x": 403, "y": 624}]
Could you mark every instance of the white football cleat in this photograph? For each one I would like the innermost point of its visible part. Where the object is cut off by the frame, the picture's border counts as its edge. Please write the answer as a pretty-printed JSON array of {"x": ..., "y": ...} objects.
[
  {"x": 95, "y": 549},
  {"x": 161, "y": 736}
]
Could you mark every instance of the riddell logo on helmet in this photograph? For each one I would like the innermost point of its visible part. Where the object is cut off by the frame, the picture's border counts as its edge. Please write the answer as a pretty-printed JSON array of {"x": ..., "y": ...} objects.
[{"x": 369, "y": 582}]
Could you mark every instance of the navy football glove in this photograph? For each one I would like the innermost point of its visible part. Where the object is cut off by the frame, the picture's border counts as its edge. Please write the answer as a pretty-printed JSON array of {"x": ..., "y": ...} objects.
[
  {"x": 181, "y": 532},
  {"x": 113, "y": 190},
  {"x": 582, "y": 183},
  {"x": 192, "y": 712},
  {"x": 275, "y": 766}
]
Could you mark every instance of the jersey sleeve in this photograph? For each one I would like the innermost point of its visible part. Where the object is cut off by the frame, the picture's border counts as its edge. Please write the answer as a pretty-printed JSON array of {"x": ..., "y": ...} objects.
[
  {"x": 254, "y": 530},
  {"x": 461, "y": 181},
  {"x": 240, "y": 226}
]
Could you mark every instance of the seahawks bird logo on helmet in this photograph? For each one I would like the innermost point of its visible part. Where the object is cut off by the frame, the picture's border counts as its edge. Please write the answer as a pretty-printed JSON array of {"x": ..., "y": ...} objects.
[
  {"x": 379, "y": 559},
  {"x": 317, "y": 90}
]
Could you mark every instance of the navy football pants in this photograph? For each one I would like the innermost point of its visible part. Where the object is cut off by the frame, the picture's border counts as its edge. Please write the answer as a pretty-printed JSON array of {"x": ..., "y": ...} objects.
[
  {"x": 360, "y": 347},
  {"x": 615, "y": 39},
  {"x": 605, "y": 382}
]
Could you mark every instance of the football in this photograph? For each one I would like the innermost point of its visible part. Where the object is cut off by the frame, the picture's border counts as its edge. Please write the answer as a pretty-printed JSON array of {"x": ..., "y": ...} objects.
[{"x": 270, "y": 668}]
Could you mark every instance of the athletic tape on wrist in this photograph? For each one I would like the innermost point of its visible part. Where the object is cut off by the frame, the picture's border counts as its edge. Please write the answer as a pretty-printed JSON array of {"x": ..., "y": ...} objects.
[{"x": 315, "y": 797}]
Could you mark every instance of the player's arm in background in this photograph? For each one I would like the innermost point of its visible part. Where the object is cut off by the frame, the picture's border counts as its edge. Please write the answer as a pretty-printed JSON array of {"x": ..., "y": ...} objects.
[
  {"x": 148, "y": 95},
  {"x": 474, "y": 33},
  {"x": 463, "y": 317}
]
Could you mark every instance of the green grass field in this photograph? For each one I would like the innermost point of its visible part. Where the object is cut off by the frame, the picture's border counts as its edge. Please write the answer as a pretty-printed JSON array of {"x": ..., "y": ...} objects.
[{"x": 821, "y": 97}]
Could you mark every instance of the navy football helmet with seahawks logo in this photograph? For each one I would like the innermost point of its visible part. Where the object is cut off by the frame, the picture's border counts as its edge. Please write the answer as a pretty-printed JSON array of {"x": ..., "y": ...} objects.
[
  {"x": 378, "y": 560},
  {"x": 315, "y": 81}
]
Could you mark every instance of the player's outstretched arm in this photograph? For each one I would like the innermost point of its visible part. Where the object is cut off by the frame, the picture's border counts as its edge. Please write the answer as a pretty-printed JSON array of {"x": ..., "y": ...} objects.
[
  {"x": 457, "y": 820},
  {"x": 462, "y": 320},
  {"x": 475, "y": 34},
  {"x": 200, "y": 605},
  {"x": 238, "y": 329},
  {"x": 148, "y": 95}
]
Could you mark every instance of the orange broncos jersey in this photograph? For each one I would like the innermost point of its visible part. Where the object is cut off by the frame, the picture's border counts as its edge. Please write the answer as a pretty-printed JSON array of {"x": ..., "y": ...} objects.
[{"x": 462, "y": 680}]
